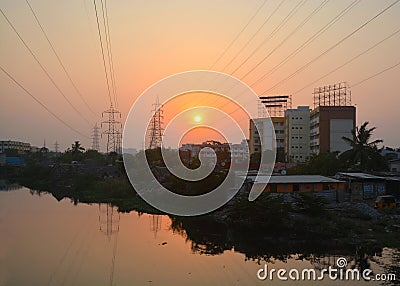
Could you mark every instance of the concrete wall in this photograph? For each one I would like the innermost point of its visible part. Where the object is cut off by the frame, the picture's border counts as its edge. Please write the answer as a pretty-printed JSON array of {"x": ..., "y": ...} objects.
[{"x": 338, "y": 129}]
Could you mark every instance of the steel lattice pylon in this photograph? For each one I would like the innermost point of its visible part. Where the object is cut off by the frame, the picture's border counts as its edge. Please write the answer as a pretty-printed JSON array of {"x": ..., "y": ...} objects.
[
  {"x": 96, "y": 138},
  {"x": 113, "y": 130},
  {"x": 155, "y": 131}
]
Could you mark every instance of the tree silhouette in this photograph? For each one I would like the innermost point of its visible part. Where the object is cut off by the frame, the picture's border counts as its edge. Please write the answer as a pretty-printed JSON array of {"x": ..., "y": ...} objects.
[
  {"x": 364, "y": 154},
  {"x": 77, "y": 148}
]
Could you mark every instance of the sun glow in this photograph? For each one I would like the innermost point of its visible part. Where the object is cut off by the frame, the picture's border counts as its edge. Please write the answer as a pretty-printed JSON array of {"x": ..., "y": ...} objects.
[{"x": 197, "y": 118}]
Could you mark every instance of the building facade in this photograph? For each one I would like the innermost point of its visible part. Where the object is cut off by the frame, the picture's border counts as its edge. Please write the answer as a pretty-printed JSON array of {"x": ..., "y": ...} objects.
[
  {"x": 240, "y": 152},
  {"x": 21, "y": 147},
  {"x": 279, "y": 127},
  {"x": 328, "y": 124},
  {"x": 262, "y": 130},
  {"x": 206, "y": 150},
  {"x": 297, "y": 134}
]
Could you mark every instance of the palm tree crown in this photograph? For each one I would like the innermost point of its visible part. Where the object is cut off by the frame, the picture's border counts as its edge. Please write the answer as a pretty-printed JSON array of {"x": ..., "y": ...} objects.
[{"x": 363, "y": 152}]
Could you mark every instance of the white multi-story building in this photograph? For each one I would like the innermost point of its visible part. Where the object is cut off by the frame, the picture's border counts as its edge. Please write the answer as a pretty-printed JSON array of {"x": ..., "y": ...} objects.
[
  {"x": 297, "y": 134},
  {"x": 239, "y": 152},
  {"x": 261, "y": 130},
  {"x": 21, "y": 147}
]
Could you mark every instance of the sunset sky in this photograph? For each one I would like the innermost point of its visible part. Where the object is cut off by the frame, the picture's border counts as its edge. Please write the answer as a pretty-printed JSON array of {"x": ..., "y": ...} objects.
[{"x": 155, "y": 39}]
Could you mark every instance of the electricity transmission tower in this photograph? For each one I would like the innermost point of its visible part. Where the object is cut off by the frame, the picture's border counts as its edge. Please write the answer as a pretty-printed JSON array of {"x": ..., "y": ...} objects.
[
  {"x": 155, "y": 128},
  {"x": 109, "y": 219},
  {"x": 96, "y": 138},
  {"x": 56, "y": 145},
  {"x": 155, "y": 224},
  {"x": 113, "y": 130}
]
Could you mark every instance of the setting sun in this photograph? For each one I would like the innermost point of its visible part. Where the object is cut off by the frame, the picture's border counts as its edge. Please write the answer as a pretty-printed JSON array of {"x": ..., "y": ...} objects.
[{"x": 197, "y": 118}]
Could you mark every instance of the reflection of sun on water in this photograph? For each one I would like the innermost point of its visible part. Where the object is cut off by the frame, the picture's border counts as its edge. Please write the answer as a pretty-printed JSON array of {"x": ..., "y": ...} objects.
[{"x": 197, "y": 118}]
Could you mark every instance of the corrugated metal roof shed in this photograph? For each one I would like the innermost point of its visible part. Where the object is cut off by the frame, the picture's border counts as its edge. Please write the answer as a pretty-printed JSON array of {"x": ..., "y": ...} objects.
[
  {"x": 363, "y": 176},
  {"x": 296, "y": 179}
]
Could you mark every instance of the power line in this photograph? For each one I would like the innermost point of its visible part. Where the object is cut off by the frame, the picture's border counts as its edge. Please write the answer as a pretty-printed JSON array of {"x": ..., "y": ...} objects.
[
  {"x": 375, "y": 75},
  {"x": 254, "y": 35},
  {"x": 308, "y": 41},
  {"x": 350, "y": 60},
  {"x": 109, "y": 50},
  {"x": 273, "y": 33},
  {"x": 332, "y": 47},
  {"x": 59, "y": 60},
  {"x": 41, "y": 104},
  {"x": 316, "y": 10},
  {"x": 102, "y": 52},
  {"x": 42, "y": 67},
  {"x": 277, "y": 28},
  {"x": 238, "y": 35},
  {"x": 296, "y": 8},
  {"x": 339, "y": 16}
]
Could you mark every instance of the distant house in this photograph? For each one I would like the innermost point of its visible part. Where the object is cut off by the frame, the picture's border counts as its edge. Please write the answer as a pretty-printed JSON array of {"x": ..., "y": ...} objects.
[
  {"x": 363, "y": 186},
  {"x": 390, "y": 153},
  {"x": 394, "y": 166},
  {"x": 300, "y": 183},
  {"x": 20, "y": 147},
  {"x": 329, "y": 188}
]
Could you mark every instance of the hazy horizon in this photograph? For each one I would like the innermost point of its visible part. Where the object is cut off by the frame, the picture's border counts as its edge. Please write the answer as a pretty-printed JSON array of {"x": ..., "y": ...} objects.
[{"x": 155, "y": 39}]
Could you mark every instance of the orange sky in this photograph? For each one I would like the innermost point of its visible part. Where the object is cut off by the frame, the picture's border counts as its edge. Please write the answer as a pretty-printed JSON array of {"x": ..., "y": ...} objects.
[{"x": 154, "y": 39}]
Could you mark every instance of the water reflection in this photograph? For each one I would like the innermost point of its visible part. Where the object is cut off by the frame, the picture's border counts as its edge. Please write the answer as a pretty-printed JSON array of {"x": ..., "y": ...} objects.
[
  {"x": 109, "y": 219},
  {"x": 155, "y": 224},
  {"x": 6, "y": 186},
  {"x": 212, "y": 238},
  {"x": 97, "y": 245}
]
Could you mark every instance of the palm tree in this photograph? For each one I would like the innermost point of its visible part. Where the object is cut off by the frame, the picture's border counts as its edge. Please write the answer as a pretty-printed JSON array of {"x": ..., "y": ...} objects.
[
  {"x": 77, "y": 148},
  {"x": 363, "y": 153}
]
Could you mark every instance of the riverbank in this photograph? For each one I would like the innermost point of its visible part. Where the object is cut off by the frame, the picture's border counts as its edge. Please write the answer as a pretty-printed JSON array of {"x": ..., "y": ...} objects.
[{"x": 270, "y": 217}]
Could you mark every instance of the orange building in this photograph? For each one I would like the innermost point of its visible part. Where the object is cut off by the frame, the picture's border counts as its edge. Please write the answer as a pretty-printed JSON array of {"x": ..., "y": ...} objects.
[{"x": 301, "y": 183}]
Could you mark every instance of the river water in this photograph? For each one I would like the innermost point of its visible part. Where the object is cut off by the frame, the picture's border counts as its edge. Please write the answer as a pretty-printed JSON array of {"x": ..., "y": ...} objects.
[{"x": 48, "y": 242}]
